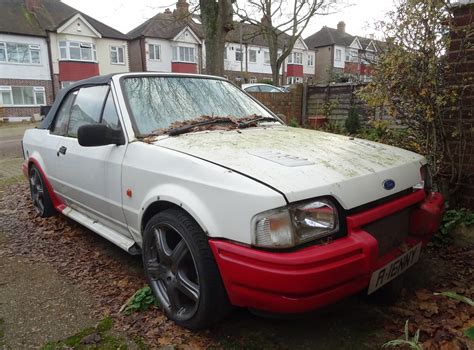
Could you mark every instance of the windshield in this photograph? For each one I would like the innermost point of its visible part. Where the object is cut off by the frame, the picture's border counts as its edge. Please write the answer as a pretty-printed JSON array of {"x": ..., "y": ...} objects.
[{"x": 158, "y": 102}]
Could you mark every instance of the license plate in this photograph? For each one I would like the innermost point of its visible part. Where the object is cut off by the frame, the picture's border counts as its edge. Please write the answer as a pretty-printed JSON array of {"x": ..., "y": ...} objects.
[{"x": 394, "y": 268}]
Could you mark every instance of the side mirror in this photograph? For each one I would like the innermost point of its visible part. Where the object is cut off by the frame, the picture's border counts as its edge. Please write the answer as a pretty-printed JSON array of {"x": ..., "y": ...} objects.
[{"x": 94, "y": 135}]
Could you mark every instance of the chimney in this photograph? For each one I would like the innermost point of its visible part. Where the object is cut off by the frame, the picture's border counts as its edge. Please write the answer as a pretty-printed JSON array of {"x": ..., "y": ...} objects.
[
  {"x": 341, "y": 27},
  {"x": 31, "y": 5},
  {"x": 182, "y": 8}
]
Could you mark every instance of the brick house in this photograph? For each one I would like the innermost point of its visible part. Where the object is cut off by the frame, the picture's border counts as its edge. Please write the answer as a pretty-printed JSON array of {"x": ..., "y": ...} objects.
[
  {"x": 338, "y": 52},
  {"x": 172, "y": 41},
  {"x": 250, "y": 62},
  {"x": 167, "y": 42},
  {"x": 46, "y": 44}
]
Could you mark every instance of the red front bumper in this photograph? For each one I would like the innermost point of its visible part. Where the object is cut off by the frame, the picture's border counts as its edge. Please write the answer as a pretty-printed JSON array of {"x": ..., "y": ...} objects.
[{"x": 311, "y": 277}]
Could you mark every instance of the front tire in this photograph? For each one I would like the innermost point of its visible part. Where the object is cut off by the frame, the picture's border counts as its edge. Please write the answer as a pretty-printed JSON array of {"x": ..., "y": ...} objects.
[
  {"x": 181, "y": 270},
  {"x": 39, "y": 193}
]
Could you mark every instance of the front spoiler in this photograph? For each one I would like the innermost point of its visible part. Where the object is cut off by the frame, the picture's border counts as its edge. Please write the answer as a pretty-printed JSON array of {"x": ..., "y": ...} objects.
[{"x": 315, "y": 276}]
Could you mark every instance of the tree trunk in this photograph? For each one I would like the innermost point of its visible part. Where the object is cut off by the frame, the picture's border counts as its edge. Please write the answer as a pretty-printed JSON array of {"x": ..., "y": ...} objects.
[{"x": 216, "y": 17}]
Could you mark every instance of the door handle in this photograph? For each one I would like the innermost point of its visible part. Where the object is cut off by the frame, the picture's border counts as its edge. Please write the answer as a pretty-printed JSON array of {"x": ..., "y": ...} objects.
[{"x": 62, "y": 150}]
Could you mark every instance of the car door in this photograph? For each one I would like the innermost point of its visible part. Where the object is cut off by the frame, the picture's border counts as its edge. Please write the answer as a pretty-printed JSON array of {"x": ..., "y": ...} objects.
[
  {"x": 91, "y": 176},
  {"x": 47, "y": 143}
]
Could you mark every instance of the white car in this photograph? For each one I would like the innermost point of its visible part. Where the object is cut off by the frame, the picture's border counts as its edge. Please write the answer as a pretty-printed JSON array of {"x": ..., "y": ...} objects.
[
  {"x": 226, "y": 204},
  {"x": 261, "y": 88}
]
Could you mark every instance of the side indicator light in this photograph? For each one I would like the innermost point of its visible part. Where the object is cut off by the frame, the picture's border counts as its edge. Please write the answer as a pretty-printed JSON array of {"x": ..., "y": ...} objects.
[{"x": 129, "y": 193}]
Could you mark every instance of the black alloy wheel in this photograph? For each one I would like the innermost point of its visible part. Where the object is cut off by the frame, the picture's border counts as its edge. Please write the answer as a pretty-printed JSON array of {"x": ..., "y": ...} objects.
[
  {"x": 39, "y": 194},
  {"x": 181, "y": 270}
]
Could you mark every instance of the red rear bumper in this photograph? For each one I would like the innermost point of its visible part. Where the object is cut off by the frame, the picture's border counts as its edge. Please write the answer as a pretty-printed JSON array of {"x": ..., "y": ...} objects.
[{"x": 311, "y": 277}]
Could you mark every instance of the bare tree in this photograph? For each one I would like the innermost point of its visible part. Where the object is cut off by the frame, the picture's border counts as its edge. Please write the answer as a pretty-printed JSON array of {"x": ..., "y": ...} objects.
[
  {"x": 281, "y": 24},
  {"x": 216, "y": 18}
]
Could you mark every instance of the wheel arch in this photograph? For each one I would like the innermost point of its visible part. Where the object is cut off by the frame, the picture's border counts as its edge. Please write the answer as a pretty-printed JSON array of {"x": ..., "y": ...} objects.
[
  {"x": 155, "y": 208},
  {"x": 164, "y": 203}
]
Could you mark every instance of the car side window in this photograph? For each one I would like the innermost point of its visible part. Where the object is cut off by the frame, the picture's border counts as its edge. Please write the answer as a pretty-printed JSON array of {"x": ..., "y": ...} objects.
[
  {"x": 265, "y": 88},
  {"x": 252, "y": 89},
  {"x": 110, "y": 116},
  {"x": 62, "y": 116},
  {"x": 87, "y": 108}
]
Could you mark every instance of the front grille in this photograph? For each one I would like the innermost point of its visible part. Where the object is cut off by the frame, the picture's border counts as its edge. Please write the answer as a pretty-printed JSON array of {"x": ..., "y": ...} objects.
[{"x": 390, "y": 231}]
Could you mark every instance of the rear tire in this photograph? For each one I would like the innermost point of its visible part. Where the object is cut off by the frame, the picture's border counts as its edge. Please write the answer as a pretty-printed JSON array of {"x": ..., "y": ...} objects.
[
  {"x": 181, "y": 270},
  {"x": 39, "y": 193}
]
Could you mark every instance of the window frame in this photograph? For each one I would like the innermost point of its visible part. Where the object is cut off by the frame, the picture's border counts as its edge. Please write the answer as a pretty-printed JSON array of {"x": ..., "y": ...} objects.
[
  {"x": 156, "y": 48},
  {"x": 178, "y": 50},
  {"x": 241, "y": 52},
  {"x": 78, "y": 90},
  {"x": 110, "y": 94},
  {"x": 75, "y": 92},
  {"x": 338, "y": 55},
  {"x": 265, "y": 53},
  {"x": 310, "y": 60},
  {"x": 30, "y": 47},
  {"x": 250, "y": 56},
  {"x": 296, "y": 58},
  {"x": 117, "y": 48},
  {"x": 80, "y": 45},
  {"x": 34, "y": 91},
  {"x": 68, "y": 116}
]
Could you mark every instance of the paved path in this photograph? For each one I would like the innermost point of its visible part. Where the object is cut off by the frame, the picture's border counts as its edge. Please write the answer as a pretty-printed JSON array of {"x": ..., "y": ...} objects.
[{"x": 10, "y": 150}]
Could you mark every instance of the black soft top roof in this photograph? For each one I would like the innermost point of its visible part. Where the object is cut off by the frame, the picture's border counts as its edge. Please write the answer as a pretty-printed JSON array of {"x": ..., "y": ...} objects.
[{"x": 97, "y": 80}]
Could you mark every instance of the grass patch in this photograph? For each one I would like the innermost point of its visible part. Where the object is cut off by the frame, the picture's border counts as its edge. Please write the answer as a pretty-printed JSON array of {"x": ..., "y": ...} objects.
[
  {"x": 11, "y": 181},
  {"x": 98, "y": 337}
]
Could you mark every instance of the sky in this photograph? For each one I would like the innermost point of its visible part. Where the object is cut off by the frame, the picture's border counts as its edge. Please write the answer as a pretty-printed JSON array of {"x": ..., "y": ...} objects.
[{"x": 125, "y": 15}]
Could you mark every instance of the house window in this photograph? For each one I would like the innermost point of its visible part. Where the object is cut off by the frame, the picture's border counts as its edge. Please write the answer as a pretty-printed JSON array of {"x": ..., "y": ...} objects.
[
  {"x": 238, "y": 55},
  {"x": 183, "y": 54},
  {"x": 338, "y": 54},
  {"x": 370, "y": 56},
  {"x": 294, "y": 80},
  {"x": 253, "y": 56},
  {"x": 22, "y": 95},
  {"x": 225, "y": 53},
  {"x": 66, "y": 83},
  {"x": 20, "y": 53},
  {"x": 352, "y": 55},
  {"x": 266, "y": 57},
  {"x": 154, "y": 52},
  {"x": 77, "y": 51},
  {"x": 252, "y": 80},
  {"x": 295, "y": 58},
  {"x": 310, "y": 60},
  {"x": 117, "y": 55}
]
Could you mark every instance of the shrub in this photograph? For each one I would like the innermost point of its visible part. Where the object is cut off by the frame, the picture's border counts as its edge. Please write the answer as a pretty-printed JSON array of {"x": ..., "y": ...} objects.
[{"x": 352, "y": 122}]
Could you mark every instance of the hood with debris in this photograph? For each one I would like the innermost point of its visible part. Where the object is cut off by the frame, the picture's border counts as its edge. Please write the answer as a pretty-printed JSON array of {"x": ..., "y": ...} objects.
[{"x": 304, "y": 163}]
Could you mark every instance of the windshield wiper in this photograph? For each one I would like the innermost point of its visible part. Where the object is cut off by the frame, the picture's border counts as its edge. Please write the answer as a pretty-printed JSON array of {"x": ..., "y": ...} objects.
[
  {"x": 251, "y": 122},
  {"x": 224, "y": 120},
  {"x": 186, "y": 128}
]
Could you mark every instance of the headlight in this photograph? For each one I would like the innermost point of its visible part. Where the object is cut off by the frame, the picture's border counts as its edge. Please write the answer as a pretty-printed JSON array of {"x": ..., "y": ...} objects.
[{"x": 299, "y": 223}]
